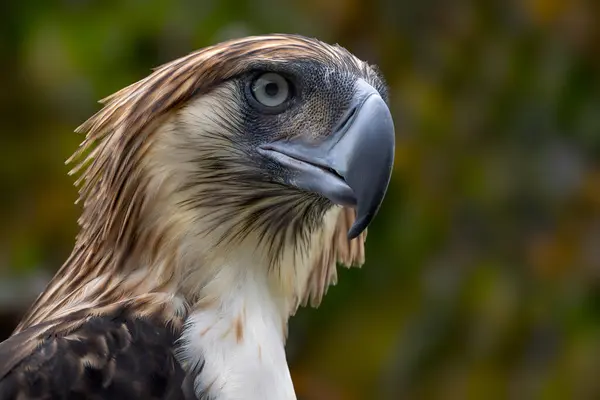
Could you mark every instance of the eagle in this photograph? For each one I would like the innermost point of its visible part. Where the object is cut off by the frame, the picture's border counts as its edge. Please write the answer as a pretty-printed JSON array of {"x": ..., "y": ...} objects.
[{"x": 218, "y": 195}]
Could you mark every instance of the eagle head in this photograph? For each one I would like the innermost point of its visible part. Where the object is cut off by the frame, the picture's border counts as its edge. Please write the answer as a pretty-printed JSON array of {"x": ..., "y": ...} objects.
[{"x": 233, "y": 180}]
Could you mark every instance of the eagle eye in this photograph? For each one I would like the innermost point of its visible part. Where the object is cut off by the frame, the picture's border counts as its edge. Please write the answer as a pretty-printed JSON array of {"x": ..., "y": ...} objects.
[{"x": 270, "y": 89}]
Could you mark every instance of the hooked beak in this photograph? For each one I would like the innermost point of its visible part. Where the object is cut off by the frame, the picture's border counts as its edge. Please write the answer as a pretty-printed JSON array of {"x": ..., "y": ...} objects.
[{"x": 353, "y": 165}]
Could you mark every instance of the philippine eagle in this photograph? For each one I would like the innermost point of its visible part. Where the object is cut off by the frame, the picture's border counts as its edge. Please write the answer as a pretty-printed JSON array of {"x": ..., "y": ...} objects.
[{"x": 217, "y": 194}]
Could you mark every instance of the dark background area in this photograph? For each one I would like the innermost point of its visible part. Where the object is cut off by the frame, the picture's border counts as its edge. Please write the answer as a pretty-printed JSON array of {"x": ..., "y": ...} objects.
[{"x": 483, "y": 268}]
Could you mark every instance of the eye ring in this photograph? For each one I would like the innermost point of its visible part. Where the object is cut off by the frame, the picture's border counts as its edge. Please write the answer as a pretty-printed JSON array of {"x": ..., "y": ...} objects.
[{"x": 270, "y": 90}]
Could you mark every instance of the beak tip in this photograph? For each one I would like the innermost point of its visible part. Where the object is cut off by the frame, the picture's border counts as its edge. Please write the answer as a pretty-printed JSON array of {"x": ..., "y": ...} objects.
[
  {"x": 356, "y": 229},
  {"x": 352, "y": 235}
]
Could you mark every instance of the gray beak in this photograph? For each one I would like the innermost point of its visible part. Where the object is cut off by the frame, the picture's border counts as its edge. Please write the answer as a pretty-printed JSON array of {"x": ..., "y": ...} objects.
[{"x": 353, "y": 165}]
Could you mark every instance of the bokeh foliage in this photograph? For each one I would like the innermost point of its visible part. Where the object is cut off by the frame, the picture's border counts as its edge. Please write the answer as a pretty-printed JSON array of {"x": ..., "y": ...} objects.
[{"x": 483, "y": 270}]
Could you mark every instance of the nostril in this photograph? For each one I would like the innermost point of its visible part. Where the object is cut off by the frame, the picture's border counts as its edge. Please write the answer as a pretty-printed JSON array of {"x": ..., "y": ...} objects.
[{"x": 331, "y": 171}]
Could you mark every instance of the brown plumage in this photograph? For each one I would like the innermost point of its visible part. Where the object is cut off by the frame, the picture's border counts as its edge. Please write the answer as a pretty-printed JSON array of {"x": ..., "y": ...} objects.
[{"x": 166, "y": 168}]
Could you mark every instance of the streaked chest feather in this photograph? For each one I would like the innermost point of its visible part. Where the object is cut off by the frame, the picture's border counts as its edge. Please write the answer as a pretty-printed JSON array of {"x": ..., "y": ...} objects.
[{"x": 233, "y": 344}]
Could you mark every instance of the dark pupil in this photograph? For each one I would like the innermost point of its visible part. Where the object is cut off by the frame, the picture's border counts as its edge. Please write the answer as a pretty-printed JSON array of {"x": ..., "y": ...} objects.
[{"x": 271, "y": 89}]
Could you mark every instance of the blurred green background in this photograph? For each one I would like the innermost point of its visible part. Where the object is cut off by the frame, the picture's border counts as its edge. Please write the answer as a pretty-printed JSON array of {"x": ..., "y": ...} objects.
[{"x": 483, "y": 271}]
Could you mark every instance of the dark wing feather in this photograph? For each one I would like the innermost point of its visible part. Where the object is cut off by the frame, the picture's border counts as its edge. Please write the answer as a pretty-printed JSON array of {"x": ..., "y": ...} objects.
[{"x": 105, "y": 357}]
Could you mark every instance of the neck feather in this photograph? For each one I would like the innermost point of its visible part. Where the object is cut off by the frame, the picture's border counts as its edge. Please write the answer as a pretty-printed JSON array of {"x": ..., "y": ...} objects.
[
  {"x": 236, "y": 331},
  {"x": 238, "y": 305}
]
